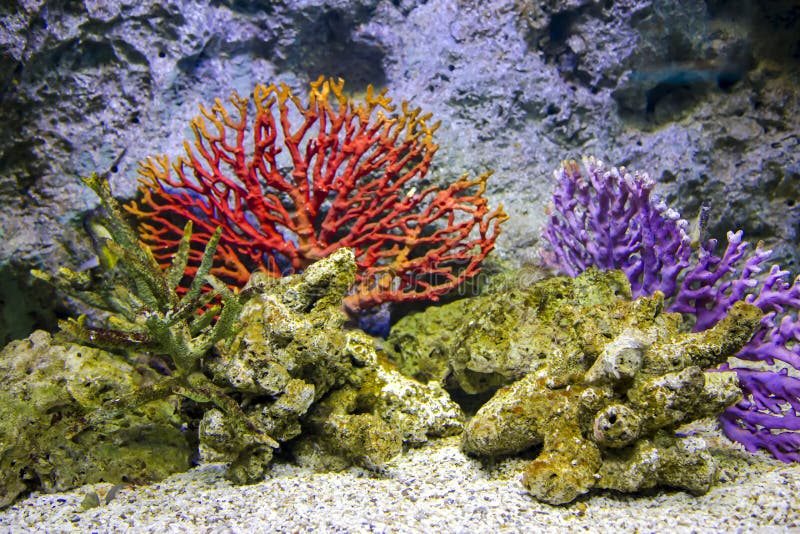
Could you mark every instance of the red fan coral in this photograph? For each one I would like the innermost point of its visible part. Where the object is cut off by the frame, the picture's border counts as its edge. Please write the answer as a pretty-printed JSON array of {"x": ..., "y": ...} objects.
[{"x": 309, "y": 179}]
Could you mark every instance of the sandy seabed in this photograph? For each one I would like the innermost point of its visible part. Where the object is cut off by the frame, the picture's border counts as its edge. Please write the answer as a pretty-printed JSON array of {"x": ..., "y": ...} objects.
[{"x": 432, "y": 489}]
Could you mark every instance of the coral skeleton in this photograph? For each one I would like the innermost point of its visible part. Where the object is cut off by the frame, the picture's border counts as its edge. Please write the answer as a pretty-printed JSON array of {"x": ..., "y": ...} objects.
[{"x": 299, "y": 180}]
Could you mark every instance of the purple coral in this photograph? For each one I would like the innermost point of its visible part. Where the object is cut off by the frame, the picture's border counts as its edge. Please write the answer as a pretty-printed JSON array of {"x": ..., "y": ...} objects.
[{"x": 609, "y": 218}]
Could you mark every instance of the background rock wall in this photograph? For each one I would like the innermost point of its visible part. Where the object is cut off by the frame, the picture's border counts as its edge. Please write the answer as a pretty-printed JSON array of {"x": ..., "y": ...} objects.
[{"x": 702, "y": 94}]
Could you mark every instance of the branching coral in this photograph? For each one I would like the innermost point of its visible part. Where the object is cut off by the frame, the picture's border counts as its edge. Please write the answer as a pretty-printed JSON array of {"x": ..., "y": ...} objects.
[
  {"x": 355, "y": 179},
  {"x": 609, "y": 218},
  {"x": 148, "y": 315}
]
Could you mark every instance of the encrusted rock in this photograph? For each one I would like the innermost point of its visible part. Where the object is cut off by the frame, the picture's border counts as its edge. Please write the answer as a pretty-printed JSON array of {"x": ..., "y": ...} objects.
[
  {"x": 48, "y": 390},
  {"x": 600, "y": 381},
  {"x": 316, "y": 388},
  {"x": 617, "y": 430},
  {"x": 485, "y": 342},
  {"x": 418, "y": 411}
]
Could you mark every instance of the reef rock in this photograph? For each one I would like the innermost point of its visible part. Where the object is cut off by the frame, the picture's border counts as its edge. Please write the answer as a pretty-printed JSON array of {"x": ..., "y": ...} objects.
[
  {"x": 315, "y": 387},
  {"x": 479, "y": 344},
  {"x": 47, "y": 390},
  {"x": 602, "y": 382}
]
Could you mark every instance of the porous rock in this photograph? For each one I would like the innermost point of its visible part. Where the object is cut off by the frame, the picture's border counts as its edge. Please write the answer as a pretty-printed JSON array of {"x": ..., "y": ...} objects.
[
  {"x": 491, "y": 340},
  {"x": 48, "y": 389},
  {"x": 601, "y": 382},
  {"x": 318, "y": 389},
  {"x": 701, "y": 94},
  {"x": 627, "y": 415}
]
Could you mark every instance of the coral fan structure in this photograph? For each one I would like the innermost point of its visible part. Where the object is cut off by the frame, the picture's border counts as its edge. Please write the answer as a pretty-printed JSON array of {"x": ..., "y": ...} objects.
[
  {"x": 356, "y": 180},
  {"x": 609, "y": 218},
  {"x": 600, "y": 380}
]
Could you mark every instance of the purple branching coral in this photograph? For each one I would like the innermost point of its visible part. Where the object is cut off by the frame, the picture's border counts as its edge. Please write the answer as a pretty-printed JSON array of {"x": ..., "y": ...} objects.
[{"x": 609, "y": 218}]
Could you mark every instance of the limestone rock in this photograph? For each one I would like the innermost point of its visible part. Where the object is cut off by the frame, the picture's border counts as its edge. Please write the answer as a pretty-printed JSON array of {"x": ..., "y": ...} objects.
[
  {"x": 318, "y": 389},
  {"x": 617, "y": 430},
  {"x": 48, "y": 390},
  {"x": 601, "y": 382}
]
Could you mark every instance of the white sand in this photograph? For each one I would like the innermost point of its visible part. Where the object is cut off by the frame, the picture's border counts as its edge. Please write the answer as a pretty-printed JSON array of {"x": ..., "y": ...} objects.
[{"x": 433, "y": 489}]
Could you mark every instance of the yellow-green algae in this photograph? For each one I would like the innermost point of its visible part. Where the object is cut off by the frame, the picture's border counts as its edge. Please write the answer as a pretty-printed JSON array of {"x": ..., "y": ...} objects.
[
  {"x": 49, "y": 389},
  {"x": 600, "y": 381},
  {"x": 482, "y": 343}
]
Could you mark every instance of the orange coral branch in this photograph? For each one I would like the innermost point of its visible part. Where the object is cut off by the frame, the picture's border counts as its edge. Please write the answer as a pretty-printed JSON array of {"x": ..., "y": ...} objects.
[{"x": 355, "y": 169}]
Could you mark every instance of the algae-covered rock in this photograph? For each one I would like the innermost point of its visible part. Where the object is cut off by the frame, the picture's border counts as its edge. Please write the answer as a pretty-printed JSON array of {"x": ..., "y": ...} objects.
[
  {"x": 291, "y": 377},
  {"x": 347, "y": 439},
  {"x": 48, "y": 390},
  {"x": 485, "y": 342},
  {"x": 417, "y": 411},
  {"x": 316, "y": 388},
  {"x": 599, "y": 381},
  {"x": 611, "y": 424},
  {"x": 420, "y": 344}
]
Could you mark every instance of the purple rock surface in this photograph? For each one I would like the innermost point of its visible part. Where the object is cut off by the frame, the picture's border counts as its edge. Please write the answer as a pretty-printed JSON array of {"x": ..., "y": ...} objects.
[{"x": 702, "y": 94}]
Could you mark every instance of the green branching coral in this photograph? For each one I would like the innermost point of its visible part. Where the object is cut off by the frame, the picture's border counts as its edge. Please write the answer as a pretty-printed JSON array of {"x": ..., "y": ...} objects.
[{"x": 148, "y": 315}]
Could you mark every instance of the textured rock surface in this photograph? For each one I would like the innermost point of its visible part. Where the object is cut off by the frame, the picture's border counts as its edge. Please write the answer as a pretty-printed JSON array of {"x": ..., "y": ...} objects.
[
  {"x": 318, "y": 391},
  {"x": 316, "y": 388},
  {"x": 48, "y": 388},
  {"x": 600, "y": 381},
  {"x": 608, "y": 420},
  {"x": 482, "y": 343},
  {"x": 704, "y": 95}
]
